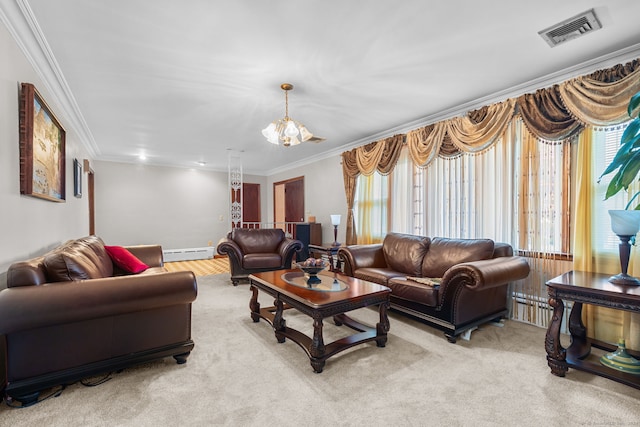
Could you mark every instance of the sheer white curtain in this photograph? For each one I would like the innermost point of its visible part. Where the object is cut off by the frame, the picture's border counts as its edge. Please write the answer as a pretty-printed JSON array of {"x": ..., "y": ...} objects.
[{"x": 471, "y": 196}]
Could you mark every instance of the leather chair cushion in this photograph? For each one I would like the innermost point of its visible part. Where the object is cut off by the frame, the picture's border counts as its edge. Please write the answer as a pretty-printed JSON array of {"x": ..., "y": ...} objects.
[
  {"x": 404, "y": 252},
  {"x": 261, "y": 260},
  {"x": 445, "y": 253},
  {"x": 414, "y": 291}
]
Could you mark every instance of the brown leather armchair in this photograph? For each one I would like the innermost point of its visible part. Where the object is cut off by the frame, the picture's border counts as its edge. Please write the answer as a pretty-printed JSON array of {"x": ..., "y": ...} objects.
[{"x": 254, "y": 250}]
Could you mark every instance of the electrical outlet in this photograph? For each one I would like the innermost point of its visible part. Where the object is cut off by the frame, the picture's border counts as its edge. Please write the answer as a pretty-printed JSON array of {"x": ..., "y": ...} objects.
[{"x": 221, "y": 218}]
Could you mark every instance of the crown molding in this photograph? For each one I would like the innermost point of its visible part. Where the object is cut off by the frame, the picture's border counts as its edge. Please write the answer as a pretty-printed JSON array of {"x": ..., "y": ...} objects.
[{"x": 21, "y": 23}]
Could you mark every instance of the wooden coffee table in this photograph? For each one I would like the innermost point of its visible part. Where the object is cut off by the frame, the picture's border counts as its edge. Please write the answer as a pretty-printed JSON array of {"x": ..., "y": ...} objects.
[{"x": 341, "y": 294}]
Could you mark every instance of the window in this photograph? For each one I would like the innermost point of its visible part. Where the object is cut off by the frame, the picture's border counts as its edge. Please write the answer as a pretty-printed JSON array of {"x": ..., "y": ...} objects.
[
  {"x": 605, "y": 144},
  {"x": 371, "y": 208}
]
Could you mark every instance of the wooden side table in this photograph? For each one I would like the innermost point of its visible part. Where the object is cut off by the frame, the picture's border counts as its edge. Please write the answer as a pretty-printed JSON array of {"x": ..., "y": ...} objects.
[
  {"x": 586, "y": 288},
  {"x": 331, "y": 251}
]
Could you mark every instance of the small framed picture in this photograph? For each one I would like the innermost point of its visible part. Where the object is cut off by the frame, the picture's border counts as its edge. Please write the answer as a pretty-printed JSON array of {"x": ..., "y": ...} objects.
[{"x": 77, "y": 178}]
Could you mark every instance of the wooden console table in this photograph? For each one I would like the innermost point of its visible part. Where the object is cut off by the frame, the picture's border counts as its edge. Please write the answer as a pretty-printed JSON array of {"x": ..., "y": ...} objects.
[{"x": 586, "y": 288}]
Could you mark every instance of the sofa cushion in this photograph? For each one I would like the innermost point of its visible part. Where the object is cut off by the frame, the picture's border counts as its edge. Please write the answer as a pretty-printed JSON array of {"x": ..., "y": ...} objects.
[
  {"x": 404, "y": 252},
  {"x": 63, "y": 266},
  {"x": 376, "y": 275},
  {"x": 445, "y": 253},
  {"x": 410, "y": 290},
  {"x": 125, "y": 259},
  {"x": 92, "y": 247}
]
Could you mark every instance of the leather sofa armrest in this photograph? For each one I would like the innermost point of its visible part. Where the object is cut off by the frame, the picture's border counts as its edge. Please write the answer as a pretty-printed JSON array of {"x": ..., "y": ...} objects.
[
  {"x": 30, "y": 307},
  {"x": 228, "y": 247},
  {"x": 361, "y": 256},
  {"x": 485, "y": 274},
  {"x": 288, "y": 247},
  {"x": 149, "y": 254}
]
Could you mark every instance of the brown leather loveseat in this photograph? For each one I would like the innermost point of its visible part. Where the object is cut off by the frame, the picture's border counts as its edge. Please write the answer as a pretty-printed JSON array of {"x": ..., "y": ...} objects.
[
  {"x": 452, "y": 284},
  {"x": 72, "y": 313},
  {"x": 252, "y": 250}
]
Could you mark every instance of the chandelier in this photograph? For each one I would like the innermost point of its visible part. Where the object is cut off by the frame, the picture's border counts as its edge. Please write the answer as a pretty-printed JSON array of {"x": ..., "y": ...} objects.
[{"x": 287, "y": 130}]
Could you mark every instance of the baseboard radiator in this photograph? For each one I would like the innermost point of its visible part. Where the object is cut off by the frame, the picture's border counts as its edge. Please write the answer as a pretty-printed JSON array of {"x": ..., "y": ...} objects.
[{"x": 188, "y": 254}]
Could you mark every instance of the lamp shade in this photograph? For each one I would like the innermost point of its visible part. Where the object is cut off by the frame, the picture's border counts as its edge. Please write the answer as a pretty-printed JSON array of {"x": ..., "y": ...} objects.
[
  {"x": 625, "y": 222},
  {"x": 335, "y": 219}
]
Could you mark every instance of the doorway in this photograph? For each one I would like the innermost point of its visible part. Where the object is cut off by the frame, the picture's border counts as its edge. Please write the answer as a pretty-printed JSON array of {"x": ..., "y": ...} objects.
[{"x": 288, "y": 203}]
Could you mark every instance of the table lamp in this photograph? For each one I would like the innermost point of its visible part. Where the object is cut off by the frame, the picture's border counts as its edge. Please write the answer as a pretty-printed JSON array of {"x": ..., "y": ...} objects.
[
  {"x": 335, "y": 220},
  {"x": 625, "y": 224}
]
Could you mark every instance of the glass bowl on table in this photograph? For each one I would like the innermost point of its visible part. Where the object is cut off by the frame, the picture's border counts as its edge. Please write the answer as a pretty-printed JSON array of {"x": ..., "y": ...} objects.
[{"x": 311, "y": 267}]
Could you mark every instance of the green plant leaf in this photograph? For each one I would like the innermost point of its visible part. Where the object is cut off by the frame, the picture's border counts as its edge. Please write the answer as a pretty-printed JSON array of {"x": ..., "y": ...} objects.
[
  {"x": 614, "y": 186},
  {"x": 634, "y": 103},
  {"x": 629, "y": 170},
  {"x": 621, "y": 158},
  {"x": 630, "y": 132}
]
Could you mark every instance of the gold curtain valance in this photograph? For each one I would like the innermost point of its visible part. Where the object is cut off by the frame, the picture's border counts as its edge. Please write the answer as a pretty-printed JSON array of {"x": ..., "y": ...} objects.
[
  {"x": 424, "y": 143},
  {"x": 552, "y": 114},
  {"x": 380, "y": 156},
  {"x": 600, "y": 103},
  {"x": 473, "y": 133},
  {"x": 480, "y": 129}
]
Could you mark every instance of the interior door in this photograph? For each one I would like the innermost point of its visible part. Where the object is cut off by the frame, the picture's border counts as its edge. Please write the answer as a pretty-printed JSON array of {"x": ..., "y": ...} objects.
[
  {"x": 294, "y": 200},
  {"x": 288, "y": 203},
  {"x": 251, "y": 205}
]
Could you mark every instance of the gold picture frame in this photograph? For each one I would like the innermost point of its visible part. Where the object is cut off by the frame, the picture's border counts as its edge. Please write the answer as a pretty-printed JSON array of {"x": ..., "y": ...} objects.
[{"x": 42, "y": 148}]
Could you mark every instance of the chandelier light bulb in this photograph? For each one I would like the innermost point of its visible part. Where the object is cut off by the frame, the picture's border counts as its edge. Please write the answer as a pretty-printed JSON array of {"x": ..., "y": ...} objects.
[
  {"x": 269, "y": 130},
  {"x": 291, "y": 130}
]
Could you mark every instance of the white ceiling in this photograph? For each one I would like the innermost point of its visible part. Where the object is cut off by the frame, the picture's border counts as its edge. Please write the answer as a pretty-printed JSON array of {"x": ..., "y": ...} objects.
[{"x": 186, "y": 81}]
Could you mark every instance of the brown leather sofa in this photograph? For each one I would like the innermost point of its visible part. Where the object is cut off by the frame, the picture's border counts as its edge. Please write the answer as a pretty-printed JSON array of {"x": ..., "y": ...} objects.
[
  {"x": 251, "y": 250},
  {"x": 71, "y": 314},
  {"x": 474, "y": 277}
]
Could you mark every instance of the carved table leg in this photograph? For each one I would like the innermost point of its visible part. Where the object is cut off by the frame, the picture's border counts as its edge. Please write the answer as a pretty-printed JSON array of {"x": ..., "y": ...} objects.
[
  {"x": 576, "y": 327},
  {"x": 254, "y": 305},
  {"x": 556, "y": 354},
  {"x": 279, "y": 324},
  {"x": 316, "y": 351},
  {"x": 383, "y": 326}
]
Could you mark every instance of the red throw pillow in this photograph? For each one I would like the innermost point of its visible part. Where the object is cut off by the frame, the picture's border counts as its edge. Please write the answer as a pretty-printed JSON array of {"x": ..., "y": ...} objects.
[{"x": 125, "y": 259}]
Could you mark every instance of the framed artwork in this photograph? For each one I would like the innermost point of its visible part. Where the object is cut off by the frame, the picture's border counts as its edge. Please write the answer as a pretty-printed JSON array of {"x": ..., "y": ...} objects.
[
  {"x": 42, "y": 148},
  {"x": 77, "y": 178}
]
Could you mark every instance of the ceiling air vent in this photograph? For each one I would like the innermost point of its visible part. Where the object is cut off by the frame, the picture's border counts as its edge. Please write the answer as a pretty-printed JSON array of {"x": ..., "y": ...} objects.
[{"x": 571, "y": 28}]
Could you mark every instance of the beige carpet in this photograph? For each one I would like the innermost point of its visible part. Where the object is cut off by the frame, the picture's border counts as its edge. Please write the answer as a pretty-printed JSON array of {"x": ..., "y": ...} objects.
[{"x": 238, "y": 375}]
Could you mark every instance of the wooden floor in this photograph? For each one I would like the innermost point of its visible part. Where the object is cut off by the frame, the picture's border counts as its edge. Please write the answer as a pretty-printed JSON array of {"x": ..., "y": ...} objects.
[{"x": 203, "y": 267}]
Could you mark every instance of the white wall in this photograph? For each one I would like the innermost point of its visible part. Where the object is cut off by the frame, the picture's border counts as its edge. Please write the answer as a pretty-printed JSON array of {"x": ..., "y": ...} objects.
[
  {"x": 30, "y": 226},
  {"x": 323, "y": 193},
  {"x": 174, "y": 207}
]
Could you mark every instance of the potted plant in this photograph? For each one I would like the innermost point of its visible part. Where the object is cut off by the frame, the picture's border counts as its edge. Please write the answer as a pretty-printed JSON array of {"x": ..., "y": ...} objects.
[
  {"x": 626, "y": 223},
  {"x": 627, "y": 159}
]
